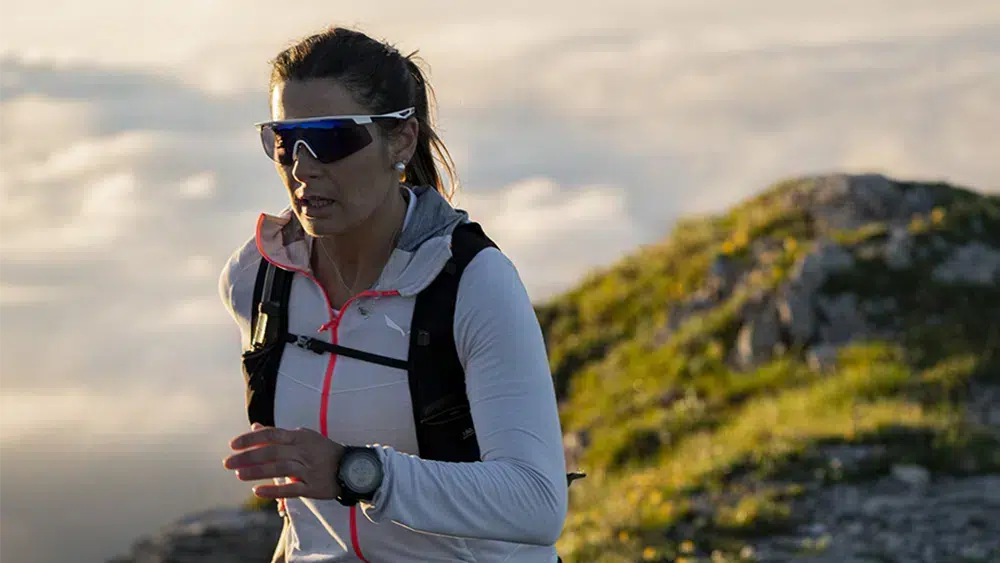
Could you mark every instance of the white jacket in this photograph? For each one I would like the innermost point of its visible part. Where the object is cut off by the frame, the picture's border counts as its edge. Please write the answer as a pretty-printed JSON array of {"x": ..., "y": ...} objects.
[{"x": 511, "y": 506}]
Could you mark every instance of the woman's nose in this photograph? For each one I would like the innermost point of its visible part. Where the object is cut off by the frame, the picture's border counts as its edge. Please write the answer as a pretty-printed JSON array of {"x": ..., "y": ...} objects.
[{"x": 305, "y": 166}]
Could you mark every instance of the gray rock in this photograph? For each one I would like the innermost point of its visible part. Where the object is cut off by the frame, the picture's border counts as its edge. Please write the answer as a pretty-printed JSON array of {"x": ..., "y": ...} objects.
[
  {"x": 891, "y": 541},
  {"x": 878, "y": 306},
  {"x": 796, "y": 313},
  {"x": 815, "y": 529},
  {"x": 574, "y": 445},
  {"x": 856, "y": 529},
  {"x": 812, "y": 271},
  {"x": 977, "y": 226},
  {"x": 886, "y": 505},
  {"x": 973, "y": 553},
  {"x": 984, "y": 490},
  {"x": 843, "y": 320},
  {"x": 870, "y": 251},
  {"x": 899, "y": 249},
  {"x": 702, "y": 300},
  {"x": 917, "y": 200},
  {"x": 822, "y": 357},
  {"x": 983, "y": 407},
  {"x": 843, "y": 201},
  {"x": 758, "y": 337},
  {"x": 723, "y": 274},
  {"x": 912, "y": 475},
  {"x": 852, "y": 458},
  {"x": 973, "y": 263},
  {"x": 894, "y": 524}
]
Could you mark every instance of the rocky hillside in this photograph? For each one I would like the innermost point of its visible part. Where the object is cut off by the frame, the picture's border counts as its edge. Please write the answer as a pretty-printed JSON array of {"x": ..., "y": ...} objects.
[{"x": 812, "y": 376}]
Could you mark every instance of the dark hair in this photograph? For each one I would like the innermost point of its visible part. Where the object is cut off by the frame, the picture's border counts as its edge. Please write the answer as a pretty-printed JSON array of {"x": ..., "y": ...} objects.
[{"x": 380, "y": 78}]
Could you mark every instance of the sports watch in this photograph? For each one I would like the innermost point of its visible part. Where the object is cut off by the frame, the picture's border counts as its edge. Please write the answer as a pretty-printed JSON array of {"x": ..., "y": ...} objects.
[{"x": 359, "y": 475}]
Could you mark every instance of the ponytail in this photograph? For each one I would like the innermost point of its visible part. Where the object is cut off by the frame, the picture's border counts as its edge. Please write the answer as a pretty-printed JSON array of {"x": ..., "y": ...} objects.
[{"x": 422, "y": 168}]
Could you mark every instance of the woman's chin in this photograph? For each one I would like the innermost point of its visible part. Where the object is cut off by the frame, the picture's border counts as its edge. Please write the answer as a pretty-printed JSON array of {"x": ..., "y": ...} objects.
[{"x": 321, "y": 226}]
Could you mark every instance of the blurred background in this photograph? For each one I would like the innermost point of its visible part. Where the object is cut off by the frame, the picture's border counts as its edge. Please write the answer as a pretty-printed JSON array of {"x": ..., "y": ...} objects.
[{"x": 131, "y": 170}]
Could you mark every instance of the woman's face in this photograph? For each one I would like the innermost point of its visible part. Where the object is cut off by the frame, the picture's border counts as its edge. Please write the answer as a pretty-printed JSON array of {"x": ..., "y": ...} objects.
[{"x": 333, "y": 198}]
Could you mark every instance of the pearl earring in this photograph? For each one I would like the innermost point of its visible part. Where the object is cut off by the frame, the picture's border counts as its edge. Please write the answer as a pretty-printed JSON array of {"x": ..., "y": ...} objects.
[{"x": 401, "y": 166}]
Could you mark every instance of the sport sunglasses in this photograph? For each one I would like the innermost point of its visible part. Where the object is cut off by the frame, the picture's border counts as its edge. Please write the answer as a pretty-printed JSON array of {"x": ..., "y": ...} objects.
[{"x": 328, "y": 139}]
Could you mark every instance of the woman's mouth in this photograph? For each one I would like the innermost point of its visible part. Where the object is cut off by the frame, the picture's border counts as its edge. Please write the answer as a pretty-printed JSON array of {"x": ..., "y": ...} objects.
[{"x": 314, "y": 202}]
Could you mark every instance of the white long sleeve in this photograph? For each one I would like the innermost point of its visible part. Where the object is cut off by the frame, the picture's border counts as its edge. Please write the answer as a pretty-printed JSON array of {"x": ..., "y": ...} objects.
[{"x": 518, "y": 492}]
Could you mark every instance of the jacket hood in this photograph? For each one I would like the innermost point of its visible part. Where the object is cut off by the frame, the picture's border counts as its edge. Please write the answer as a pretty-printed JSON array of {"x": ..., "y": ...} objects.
[{"x": 432, "y": 217}]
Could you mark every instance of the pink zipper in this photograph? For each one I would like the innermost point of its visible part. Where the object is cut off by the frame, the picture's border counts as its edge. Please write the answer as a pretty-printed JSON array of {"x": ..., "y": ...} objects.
[{"x": 332, "y": 325}]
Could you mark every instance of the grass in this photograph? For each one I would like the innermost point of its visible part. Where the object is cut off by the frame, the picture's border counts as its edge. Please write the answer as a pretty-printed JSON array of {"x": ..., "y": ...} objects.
[{"x": 748, "y": 462}]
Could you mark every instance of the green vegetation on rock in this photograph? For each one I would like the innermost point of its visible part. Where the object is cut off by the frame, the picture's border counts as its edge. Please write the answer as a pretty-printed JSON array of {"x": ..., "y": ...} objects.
[{"x": 694, "y": 443}]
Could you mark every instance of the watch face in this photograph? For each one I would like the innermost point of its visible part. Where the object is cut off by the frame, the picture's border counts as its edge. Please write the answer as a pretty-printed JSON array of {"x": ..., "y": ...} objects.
[{"x": 361, "y": 473}]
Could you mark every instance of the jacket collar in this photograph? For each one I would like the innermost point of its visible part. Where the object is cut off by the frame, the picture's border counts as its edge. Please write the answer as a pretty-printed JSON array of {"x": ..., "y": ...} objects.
[{"x": 423, "y": 249}]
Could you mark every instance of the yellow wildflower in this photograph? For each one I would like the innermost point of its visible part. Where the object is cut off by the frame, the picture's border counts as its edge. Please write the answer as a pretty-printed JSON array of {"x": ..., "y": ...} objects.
[{"x": 937, "y": 215}]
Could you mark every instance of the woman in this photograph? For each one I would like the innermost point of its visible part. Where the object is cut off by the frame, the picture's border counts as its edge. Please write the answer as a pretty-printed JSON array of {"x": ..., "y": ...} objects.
[{"x": 368, "y": 228}]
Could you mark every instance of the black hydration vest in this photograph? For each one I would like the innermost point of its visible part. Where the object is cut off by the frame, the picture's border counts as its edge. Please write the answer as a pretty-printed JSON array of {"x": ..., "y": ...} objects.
[{"x": 441, "y": 413}]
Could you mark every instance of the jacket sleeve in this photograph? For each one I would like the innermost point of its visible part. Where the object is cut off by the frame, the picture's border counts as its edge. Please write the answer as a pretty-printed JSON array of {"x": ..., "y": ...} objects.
[
  {"x": 518, "y": 492},
  {"x": 236, "y": 283}
]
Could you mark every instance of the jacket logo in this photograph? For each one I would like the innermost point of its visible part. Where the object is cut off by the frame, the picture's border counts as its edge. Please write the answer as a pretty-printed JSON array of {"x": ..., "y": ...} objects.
[{"x": 392, "y": 324}]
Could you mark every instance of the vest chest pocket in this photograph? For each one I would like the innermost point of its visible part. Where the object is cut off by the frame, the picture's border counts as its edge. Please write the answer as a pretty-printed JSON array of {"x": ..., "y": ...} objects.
[
  {"x": 447, "y": 430},
  {"x": 447, "y": 410}
]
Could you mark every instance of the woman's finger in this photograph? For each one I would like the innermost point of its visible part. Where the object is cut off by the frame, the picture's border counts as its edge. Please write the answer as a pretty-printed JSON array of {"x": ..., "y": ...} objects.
[
  {"x": 263, "y": 435},
  {"x": 289, "y": 490},
  {"x": 257, "y": 456},
  {"x": 281, "y": 468}
]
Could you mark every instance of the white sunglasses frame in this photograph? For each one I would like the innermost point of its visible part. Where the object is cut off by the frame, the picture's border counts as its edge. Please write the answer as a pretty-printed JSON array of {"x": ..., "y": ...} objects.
[{"x": 358, "y": 119}]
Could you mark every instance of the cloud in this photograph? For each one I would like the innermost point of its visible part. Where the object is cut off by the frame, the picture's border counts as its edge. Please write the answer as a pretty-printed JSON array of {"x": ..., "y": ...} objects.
[
  {"x": 201, "y": 185},
  {"x": 26, "y": 296},
  {"x": 129, "y": 415},
  {"x": 720, "y": 123},
  {"x": 552, "y": 232}
]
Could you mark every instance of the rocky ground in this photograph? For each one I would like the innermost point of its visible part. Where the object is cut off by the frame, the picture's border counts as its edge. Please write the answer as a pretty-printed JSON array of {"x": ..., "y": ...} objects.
[
  {"x": 906, "y": 517},
  {"x": 217, "y": 536}
]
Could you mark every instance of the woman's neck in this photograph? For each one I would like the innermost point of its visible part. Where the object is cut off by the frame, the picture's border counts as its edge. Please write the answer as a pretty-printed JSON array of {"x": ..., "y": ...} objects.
[{"x": 355, "y": 259}]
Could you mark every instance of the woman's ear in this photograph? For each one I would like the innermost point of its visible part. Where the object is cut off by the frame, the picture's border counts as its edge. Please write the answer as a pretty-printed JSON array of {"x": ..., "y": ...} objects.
[{"x": 403, "y": 140}]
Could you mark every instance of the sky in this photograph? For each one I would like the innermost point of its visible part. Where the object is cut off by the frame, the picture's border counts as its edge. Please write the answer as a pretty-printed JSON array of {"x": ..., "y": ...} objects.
[{"x": 130, "y": 170}]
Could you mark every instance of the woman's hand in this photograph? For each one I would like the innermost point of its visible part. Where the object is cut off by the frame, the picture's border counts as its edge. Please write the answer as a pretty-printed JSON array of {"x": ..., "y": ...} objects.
[{"x": 307, "y": 457}]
